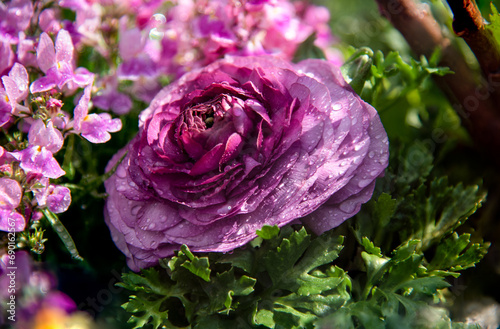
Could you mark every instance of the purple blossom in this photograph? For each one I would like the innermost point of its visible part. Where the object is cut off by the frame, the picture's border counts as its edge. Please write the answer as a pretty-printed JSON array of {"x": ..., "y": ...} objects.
[
  {"x": 58, "y": 65},
  {"x": 37, "y": 159},
  {"x": 44, "y": 141},
  {"x": 56, "y": 198},
  {"x": 96, "y": 127},
  {"x": 241, "y": 143},
  {"x": 93, "y": 127},
  {"x": 10, "y": 198}
]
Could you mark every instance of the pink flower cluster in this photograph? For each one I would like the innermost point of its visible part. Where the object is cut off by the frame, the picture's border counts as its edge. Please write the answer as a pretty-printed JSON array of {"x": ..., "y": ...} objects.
[{"x": 36, "y": 77}]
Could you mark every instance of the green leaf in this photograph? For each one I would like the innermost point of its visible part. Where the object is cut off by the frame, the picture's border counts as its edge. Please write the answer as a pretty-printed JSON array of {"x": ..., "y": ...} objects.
[
  {"x": 199, "y": 266},
  {"x": 370, "y": 247},
  {"x": 278, "y": 264},
  {"x": 437, "y": 210},
  {"x": 268, "y": 232},
  {"x": 224, "y": 286},
  {"x": 265, "y": 318},
  {"x": 456, "y": 253}
]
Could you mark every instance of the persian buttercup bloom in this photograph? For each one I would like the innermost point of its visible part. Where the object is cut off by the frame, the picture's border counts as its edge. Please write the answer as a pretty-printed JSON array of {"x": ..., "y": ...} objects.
[{"x": 241, "y": 143}]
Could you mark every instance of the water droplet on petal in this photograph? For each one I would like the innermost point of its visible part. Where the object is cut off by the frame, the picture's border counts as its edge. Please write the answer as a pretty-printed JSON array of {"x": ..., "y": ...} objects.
[
  {"x": 347, "y": 207},
  {"x": 364, "y": 182}
]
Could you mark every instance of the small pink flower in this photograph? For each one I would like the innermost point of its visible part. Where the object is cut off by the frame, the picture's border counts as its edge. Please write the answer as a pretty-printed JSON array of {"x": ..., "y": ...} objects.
[
  {"x": 44, "y": 141},
  {"x": 96, "y": 127},
  {"x": 56, "y": 198},
  {"x": 58, "y": 65}
]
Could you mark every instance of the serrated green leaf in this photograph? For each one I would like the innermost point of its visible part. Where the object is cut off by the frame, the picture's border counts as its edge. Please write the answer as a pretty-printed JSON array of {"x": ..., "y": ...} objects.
[
  {"x": 268, "y": 232},
  {"x": 199, "y": 266},
  {"x": 370, "y": 247},
  {"x": 224, "y": 286},
  {"x": 438, "y": 209},
  {"x": 278, "y": 264},
  {"x": 146, "y": 311},
  {"x": 456, "y": 253}
]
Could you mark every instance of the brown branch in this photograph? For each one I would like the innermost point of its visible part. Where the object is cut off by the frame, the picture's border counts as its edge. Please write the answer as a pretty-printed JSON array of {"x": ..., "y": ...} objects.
[
  {"x": 469, "y": 24},
  {"x": 471, "y": 97}
]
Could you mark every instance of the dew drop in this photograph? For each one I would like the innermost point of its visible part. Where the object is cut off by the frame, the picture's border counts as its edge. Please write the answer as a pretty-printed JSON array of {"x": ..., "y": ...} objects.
[
  {"x": 354, "y": 121},
  {"x": 156, "y": 34},
  {"x": 337, "y": 107},
  {"x": 357, "y": 147},
  {"x": 151, "y": 226},
  {"x": 159, "y": 18},
  {"x": 371, "y": 154},
  {"x": 364, "y": 182},
  {"x": 347, "y": 207}
]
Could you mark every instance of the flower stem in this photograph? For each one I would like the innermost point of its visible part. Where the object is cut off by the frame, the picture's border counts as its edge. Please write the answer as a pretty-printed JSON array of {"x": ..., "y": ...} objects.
[{"x": 63, "y": 233}]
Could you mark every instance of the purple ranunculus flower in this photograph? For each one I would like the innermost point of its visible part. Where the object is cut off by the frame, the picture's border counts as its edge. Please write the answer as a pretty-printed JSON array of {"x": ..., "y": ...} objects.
[{"x": 241, "y": 143}]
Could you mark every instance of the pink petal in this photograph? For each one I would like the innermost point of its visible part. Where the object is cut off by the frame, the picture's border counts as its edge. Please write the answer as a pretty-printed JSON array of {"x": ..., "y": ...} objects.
[
  {"x": 45, "y": 53},
  {"x": 11, "y": 220},
  {"x": 209, "y": 161},
  {"x": 46, "y": 136},
  {"x": 82, "y": 109},
  {"x": 37, "y": 159},
  {"x": 10, "y": 193},
  {"x": 64, "y": 47}
]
